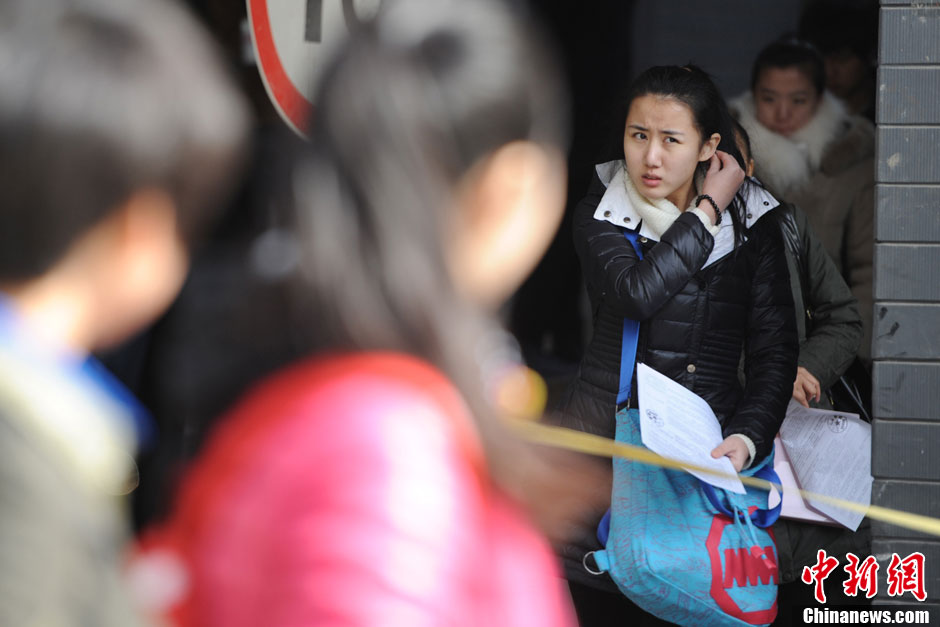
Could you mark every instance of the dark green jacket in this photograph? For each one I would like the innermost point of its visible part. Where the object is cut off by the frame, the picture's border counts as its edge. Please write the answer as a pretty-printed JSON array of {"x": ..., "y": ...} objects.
[
  {"x": 827, "y": 348},
  {"x": 831, "y": 341}
]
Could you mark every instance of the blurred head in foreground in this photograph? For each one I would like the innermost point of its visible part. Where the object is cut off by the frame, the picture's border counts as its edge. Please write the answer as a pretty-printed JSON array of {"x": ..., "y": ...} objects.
[
  {"x": 118, "y": 132},
  {"x": 436, "y": 159},
  {"x": 434, "y": 182}
]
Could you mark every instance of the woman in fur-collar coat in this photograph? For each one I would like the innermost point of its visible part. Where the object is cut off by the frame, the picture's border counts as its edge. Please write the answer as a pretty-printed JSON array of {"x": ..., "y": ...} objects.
[{"x": 810, "y": 151}]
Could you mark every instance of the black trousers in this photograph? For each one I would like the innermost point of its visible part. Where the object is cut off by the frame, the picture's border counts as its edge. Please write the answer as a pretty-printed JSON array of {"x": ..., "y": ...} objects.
[{"x": 600, "y": 608}]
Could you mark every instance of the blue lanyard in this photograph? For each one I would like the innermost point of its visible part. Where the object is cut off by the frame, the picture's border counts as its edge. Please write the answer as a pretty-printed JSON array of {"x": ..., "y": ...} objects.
[
  {"x": 96, "y": 374},
  {"x": 631, "y": 334}
]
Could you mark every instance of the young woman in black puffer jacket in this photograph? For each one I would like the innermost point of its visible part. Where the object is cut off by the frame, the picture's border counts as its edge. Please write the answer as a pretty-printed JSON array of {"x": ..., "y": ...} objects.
[{"x": 713, "y": 283}]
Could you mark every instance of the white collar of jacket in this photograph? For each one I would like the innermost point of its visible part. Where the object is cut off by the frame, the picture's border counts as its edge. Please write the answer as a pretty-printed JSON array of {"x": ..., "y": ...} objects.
[
  {"x": 617, "y": 207},
  {"x": 82, "y": 427},
  {"x": 757, "y": 202},
  {"x": 787, "y": 163}
]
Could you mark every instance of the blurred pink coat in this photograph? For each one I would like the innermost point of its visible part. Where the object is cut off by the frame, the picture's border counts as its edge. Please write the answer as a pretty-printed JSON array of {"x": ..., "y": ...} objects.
[{"x": 352, "y": 490}]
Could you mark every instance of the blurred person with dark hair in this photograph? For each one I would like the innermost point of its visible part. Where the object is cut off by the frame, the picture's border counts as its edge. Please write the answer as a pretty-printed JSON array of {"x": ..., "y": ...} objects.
[
  {"x": 809, "y": 150},
  {"x": 225, "y": 329},
  {"x": 846, "y": 33},
  {"x": 375, "y": 481},
  {"x": 118, "y": 132}
]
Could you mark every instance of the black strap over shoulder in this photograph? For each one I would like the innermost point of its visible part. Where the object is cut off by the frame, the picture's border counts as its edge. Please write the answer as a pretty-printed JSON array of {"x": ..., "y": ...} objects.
[{"x": 791, "y": 239}]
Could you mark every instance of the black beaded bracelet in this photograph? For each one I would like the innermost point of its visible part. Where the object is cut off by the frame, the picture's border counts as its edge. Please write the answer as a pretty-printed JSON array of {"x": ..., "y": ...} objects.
[{"x": 714, "y": 205}]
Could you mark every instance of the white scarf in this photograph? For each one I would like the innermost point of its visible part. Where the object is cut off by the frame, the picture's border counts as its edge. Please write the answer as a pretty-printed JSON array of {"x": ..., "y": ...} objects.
[
  {"x": 657, "y": 214},
  {"x": 787, "y": 163}
]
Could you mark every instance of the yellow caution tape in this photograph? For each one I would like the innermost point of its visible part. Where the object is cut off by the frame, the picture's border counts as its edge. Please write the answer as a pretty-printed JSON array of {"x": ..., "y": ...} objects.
[{"x": 604, "y": 447}]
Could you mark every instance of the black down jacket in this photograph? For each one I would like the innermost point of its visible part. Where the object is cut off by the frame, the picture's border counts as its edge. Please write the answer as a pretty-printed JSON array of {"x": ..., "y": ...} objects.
[{"x": 695, "y": 322}]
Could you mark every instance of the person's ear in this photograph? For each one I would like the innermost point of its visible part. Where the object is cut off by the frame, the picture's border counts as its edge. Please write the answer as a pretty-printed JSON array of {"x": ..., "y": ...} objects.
[
  {"x": 148, "y": 231},
  {"x": 509, "y": 207},
  {"x": 709, "y": 146},
  {"x": 147, "y": 266}
]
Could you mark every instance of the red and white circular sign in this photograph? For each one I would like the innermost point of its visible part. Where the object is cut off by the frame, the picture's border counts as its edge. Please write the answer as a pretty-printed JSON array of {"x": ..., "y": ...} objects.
[{"x": 292, "y": 39}]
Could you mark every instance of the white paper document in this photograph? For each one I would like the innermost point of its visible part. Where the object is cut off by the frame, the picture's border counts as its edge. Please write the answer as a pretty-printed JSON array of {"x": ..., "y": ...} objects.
[
  {"x": 793, "y": 504},
  {"x": 830, "y": 453},
  {"x": 675, "y": 422}
]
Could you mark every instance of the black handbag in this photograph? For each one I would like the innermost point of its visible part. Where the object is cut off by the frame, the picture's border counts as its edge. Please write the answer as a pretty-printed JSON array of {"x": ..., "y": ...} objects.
[{"x": 852, "y": 392}]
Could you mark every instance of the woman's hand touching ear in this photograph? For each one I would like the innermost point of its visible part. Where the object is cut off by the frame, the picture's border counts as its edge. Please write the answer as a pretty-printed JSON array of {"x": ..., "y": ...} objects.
[{"x": 723, "y": 179}]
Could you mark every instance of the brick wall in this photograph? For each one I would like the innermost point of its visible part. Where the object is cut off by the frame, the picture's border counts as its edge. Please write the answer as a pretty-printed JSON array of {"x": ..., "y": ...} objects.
[{"x": 906, "y": 343}]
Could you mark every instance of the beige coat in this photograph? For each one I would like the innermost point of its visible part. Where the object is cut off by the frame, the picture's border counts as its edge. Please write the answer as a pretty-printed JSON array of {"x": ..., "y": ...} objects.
[
  {"x": 827, "y": 169},
  {"x": 63, "y": 455}
]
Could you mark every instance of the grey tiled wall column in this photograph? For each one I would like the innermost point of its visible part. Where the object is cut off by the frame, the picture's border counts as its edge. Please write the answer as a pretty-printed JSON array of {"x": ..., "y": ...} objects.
[{"x": 906, "y": 342}]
